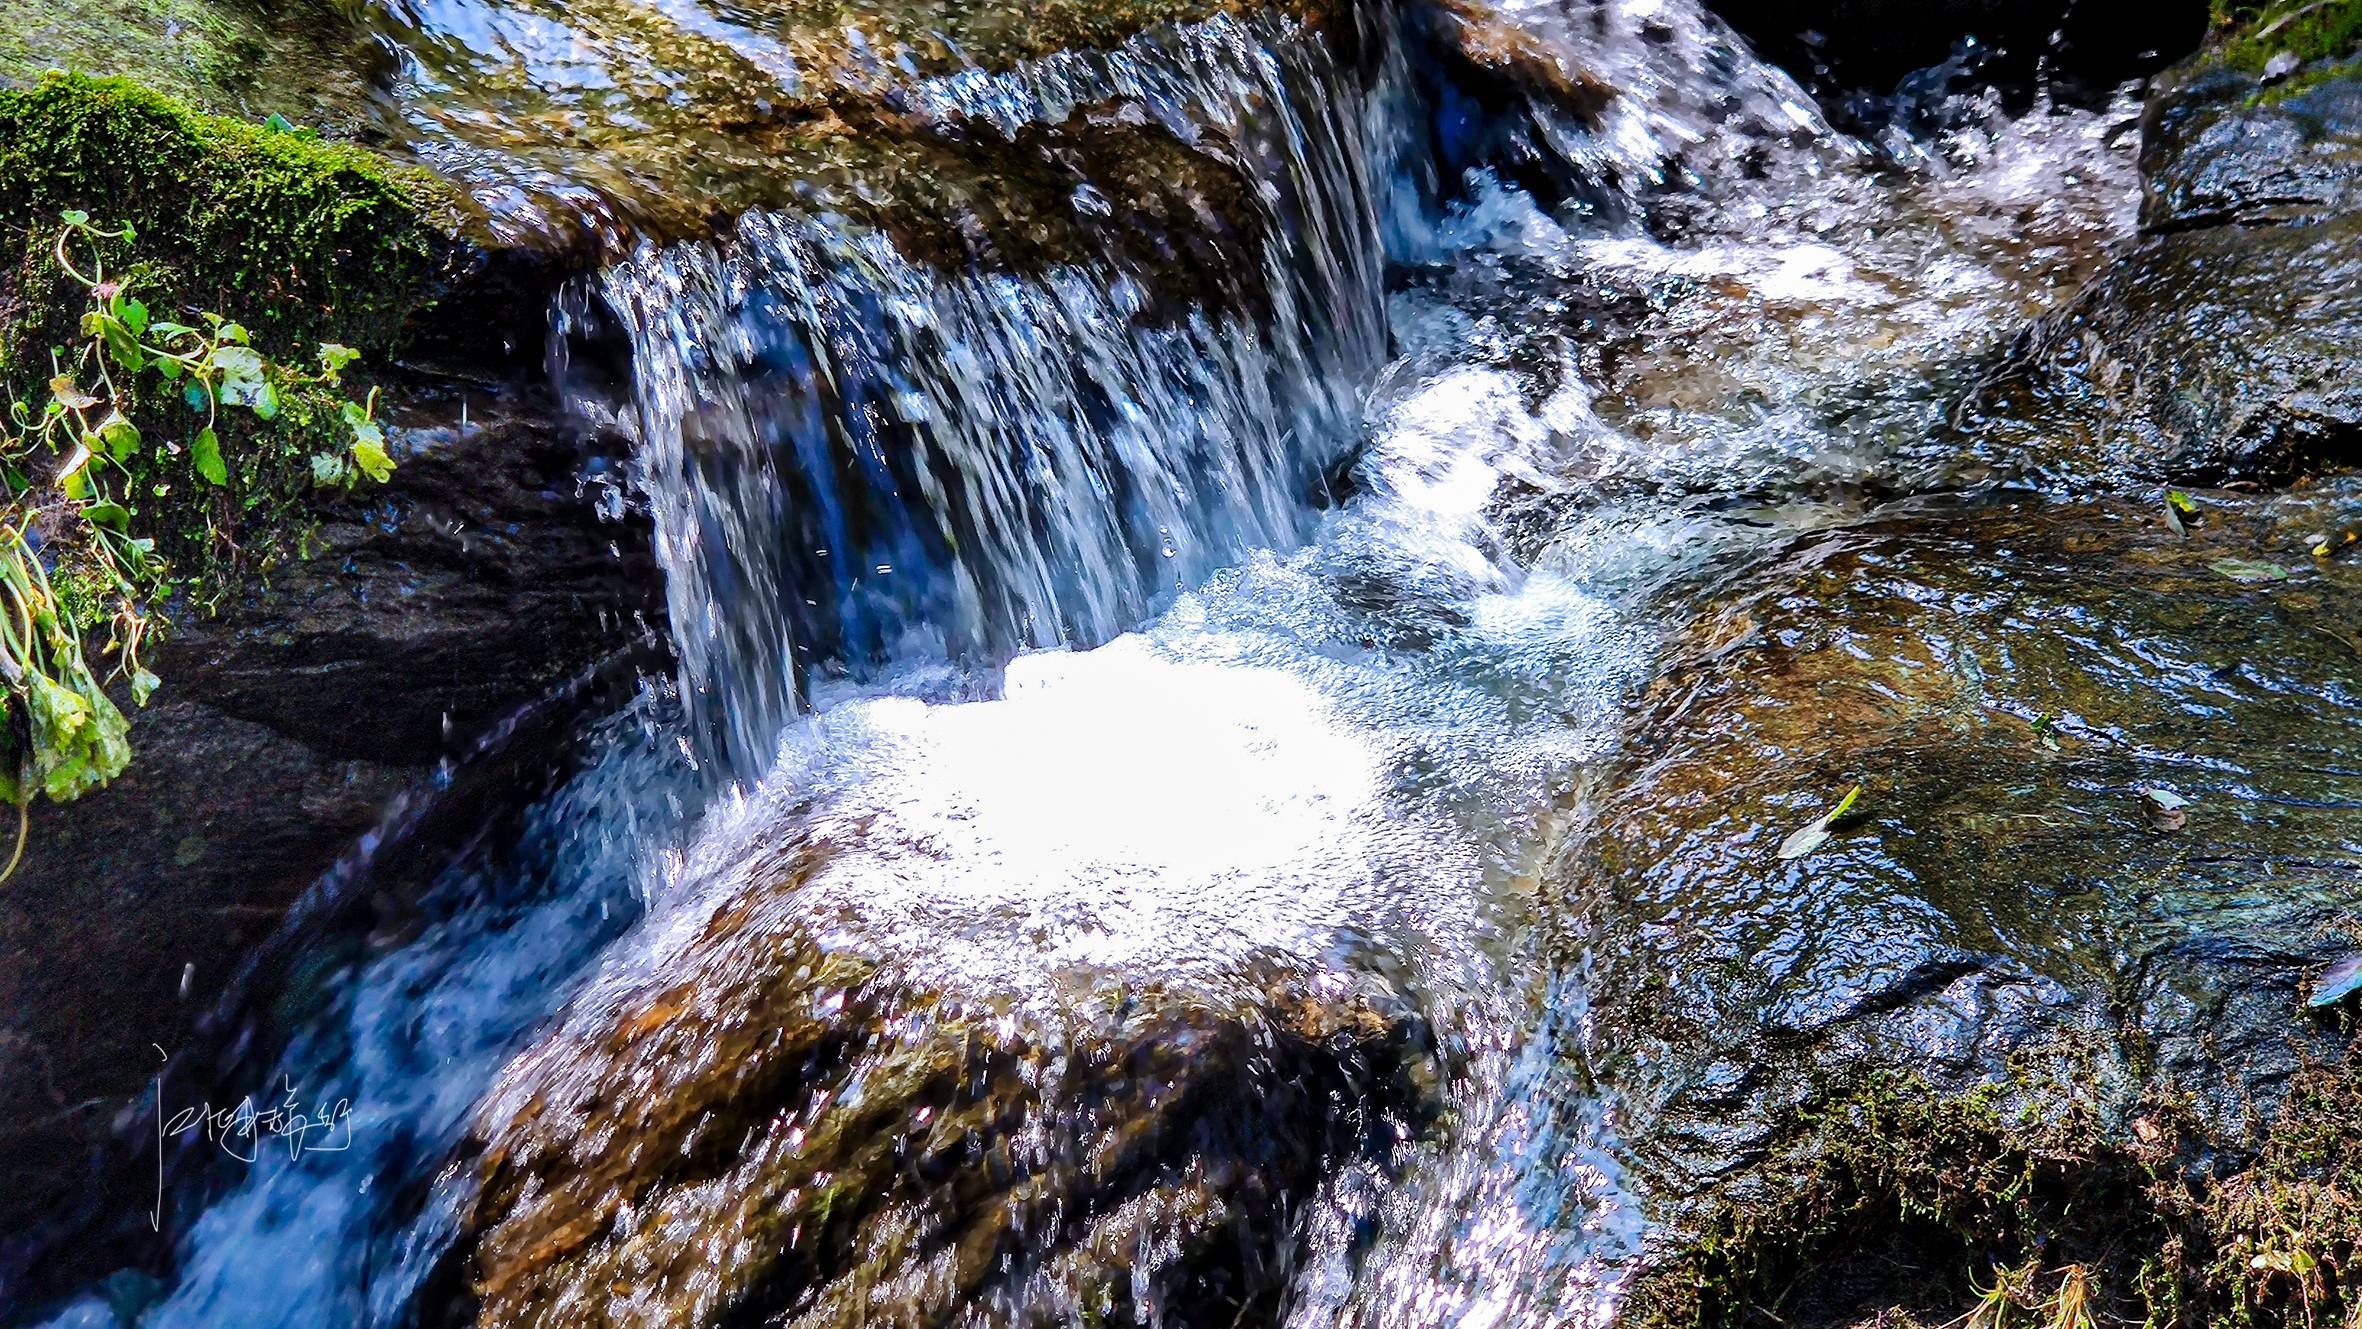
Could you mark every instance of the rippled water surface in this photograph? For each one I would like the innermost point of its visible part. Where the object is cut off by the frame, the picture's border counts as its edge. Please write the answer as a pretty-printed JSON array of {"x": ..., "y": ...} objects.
[{"x": 1034, "y": 649}]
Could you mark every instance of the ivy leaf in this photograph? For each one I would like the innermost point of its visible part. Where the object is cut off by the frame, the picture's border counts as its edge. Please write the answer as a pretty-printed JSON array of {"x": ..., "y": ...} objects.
[
  {"x": 2249, "y": 570},
  {"x": 122, "y": 347},
  {"x": 205, "y": 449},
  {"x": 1812, "y": 837},
  {"x": 58, "y": 714},
  {"x": 76, "y": 217},
  {"x": 372, "y": 459},
  {"x": 133, "y": 314},
  {"x": 231, "y": 332},
  {"x": 335, "y": 357},
  {"x": 120, "y": 435},
  {"x": 107, "y": 514},
  {"x": 242, "y": 381},
  {"x": 236, "y": 362},
  {"x": 143, "y": 686}
]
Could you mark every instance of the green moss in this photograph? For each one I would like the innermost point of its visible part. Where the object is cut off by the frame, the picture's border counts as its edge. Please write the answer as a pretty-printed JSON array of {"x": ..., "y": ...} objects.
[
  {"x": 1883, "y": 1173},
  {"x": 313, "y": 241},
  {"x": 2247, "y": 36},
  {"x": 2283, "y": 1241},
  {"x": 1890, "y": 1202}
]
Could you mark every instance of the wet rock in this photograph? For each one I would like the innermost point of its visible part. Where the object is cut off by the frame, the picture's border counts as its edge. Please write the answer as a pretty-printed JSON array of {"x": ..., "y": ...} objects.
[
  {"x": 1507, "y": 59},
  {"x": 2200, "y": 356},
  {"x": 2227, "y": 343},
  {"x": 478, "y": 580},
  {"x": 2219, "y": 145},
  {"x": 786, "y": 1121},
  {"x": 658, "y": 124},
  {"x": 2000, "y": 926}
]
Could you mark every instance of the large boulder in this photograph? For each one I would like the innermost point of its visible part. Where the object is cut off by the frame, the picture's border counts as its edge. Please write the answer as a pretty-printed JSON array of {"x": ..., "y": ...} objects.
[
  {"x": 2227, "y": 342},
  {"x": 809, "y": 1111},
  {"x": 479, "y": 580},
  {"x": 2104, "y": 846}
]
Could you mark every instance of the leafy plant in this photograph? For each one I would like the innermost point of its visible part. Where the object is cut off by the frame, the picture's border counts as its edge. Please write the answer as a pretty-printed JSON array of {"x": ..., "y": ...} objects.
[{"x": 72, "y": 466}]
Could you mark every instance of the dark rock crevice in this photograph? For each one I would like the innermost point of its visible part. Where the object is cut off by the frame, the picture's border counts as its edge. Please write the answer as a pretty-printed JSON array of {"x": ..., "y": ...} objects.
[{"x": 478, "y": 582}]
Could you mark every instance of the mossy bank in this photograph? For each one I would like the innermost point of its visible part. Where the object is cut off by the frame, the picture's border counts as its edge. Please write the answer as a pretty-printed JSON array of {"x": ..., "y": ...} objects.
[{"x": 2030, "y": 1201}]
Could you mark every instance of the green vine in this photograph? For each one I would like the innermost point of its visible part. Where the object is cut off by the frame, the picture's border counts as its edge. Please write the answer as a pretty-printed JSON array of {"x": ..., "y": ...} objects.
[{"x": 74, "y": 467}]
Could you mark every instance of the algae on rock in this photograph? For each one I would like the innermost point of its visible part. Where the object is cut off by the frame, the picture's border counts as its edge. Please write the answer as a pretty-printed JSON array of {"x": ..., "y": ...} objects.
[{"x": 2007, "y": 680}]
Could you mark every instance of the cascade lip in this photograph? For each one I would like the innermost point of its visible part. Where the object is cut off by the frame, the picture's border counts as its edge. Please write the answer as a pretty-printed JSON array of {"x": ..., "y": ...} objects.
[{"x": 589, "y": 127}]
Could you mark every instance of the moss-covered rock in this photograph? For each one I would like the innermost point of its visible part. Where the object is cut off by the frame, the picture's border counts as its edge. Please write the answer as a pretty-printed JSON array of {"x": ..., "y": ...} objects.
[
  {"x": 2250, "y": 36},
  {"x": 304, "y": 240},
  {"x": 1888, "y": 1202},
  {"x": 2105, "y": 843},
  {"x": 249, "y": 59}
]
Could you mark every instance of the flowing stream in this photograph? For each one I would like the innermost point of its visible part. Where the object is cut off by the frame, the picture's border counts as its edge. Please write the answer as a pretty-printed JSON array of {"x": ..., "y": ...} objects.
[{"x": 1038, "y": 642}]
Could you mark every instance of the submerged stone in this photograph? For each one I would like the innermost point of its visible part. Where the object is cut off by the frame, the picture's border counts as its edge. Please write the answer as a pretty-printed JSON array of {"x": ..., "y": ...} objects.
[
  {"x": 790, "y": 1120},
  {"x": 2000, "y": 919}
]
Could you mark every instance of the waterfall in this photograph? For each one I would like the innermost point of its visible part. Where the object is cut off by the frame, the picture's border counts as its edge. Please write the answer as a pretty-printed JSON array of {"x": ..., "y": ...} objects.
[
  {"x": 1343, "y": 744},
  {"x": 855, "y": 457}
]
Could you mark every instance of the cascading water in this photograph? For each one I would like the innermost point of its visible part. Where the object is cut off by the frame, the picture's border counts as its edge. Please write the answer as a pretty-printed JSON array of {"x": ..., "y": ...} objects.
[
  {"x": 1318, "y": 754},
  {"x": 854, "y": 458}
]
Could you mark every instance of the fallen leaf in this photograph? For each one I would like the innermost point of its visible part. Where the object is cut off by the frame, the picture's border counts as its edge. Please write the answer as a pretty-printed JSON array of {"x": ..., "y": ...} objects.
[
  {"x": 2046, "y": 730},
  {"x": 2249, "y": 570},
  {"x": 64, "y": 389},
  {"x": 2342, "y": 980},
  {"x": 1812, "y": 837}
]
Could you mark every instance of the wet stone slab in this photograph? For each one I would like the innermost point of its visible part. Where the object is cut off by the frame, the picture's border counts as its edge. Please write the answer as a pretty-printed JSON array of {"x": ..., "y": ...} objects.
[
  {"x": 2005, "y": 682},
  {"x": 789, "y": 1121}
]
